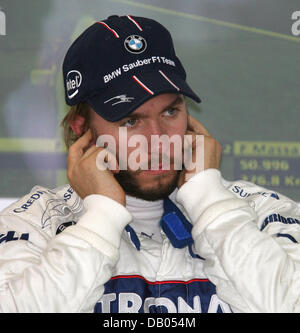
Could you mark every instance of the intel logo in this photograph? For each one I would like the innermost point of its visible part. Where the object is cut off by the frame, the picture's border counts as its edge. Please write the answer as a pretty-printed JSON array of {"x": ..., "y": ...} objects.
[{"x": 73, "y": 82}]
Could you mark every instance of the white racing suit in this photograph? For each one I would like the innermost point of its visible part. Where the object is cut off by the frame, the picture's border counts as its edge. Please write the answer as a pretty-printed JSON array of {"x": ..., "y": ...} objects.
[{"x": 59, "y": 253}]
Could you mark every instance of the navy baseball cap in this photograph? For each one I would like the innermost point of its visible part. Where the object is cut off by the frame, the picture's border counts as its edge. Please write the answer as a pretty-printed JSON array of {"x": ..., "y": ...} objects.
[{"x": 119, "y": 63}]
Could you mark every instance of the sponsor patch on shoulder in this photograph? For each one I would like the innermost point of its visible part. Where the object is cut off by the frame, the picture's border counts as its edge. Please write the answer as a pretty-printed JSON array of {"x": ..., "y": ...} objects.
[
  {"x": 278, "y": 218},
  {"x": 244, "y": 194},
  {"x": 63, "y": 226},
  {"x": 13, "y": 236}
]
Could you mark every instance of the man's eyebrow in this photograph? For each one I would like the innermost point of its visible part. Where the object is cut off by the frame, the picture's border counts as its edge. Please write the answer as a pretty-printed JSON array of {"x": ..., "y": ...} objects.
[{"x": 179, "y": 99}]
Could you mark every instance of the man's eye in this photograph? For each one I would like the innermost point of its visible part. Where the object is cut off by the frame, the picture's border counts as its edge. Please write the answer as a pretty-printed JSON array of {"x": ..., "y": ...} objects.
[
  {"x": 171, "y": 112},
  {"x": 130, "y": 122}
]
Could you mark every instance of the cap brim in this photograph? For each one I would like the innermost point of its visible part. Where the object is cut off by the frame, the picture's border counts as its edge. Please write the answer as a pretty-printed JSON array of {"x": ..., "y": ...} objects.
[{"x": 122, "y": 98}]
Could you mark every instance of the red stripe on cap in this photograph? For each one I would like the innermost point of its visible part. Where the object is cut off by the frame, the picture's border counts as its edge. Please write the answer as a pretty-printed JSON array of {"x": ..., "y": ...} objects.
[
  {"x": 143, "y": 85},
  {"x": 109, "y": 28},
  {"x": 169, "y": 80},
  {"x": 135, "y": 22}
]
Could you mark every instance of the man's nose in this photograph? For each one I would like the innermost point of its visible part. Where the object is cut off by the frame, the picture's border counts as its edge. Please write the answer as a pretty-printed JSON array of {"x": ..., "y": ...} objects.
[
  {"x": 155, "y": 128},
  {"x": 155, "y": 131}
]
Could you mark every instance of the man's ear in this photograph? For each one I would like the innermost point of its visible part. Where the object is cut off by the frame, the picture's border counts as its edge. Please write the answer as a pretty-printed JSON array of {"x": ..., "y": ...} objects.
[{"x": 77, "y": 125}]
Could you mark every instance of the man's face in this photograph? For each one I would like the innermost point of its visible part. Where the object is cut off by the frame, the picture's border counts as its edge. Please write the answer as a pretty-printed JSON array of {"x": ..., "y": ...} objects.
[{"x": 162, "y": 115}]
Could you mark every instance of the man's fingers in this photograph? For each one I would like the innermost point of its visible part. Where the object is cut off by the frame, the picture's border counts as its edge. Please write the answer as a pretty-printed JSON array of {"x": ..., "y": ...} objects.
[
  {"x": 195, "y": 126},
  {"x": 84, "y": 140},
  {"x": 78, "y": 148},
  {"x": 107, "y": 157},
  {"x": 90, "y": 151},
  {"x": 106, "y": 160}
]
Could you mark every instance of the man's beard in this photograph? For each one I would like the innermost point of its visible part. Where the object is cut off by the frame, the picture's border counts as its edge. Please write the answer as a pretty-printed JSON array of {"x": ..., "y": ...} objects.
[{"x": 131, "y": 186}]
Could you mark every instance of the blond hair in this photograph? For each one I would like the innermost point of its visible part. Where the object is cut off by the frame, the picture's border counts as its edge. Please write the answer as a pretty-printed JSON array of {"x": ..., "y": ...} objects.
[{"x": 81, "y": 109}]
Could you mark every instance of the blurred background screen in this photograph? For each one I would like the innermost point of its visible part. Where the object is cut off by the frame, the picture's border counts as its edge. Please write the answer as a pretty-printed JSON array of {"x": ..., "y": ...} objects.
[{"x": 241, "y": 57}]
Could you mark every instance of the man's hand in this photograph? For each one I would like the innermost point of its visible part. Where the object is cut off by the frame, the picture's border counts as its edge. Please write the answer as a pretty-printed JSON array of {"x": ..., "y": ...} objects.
[
  {"x": 84, "y": 176},
  {"x": 211, "y": 149}
]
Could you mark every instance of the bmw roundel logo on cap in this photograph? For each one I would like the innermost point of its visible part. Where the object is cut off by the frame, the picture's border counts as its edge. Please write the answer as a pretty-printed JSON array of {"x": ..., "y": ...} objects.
[{"x": 135, "y": 44}]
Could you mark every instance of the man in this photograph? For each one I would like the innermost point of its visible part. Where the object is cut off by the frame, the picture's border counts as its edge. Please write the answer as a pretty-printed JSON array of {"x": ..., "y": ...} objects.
[{"x": 146, "y": 239}]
